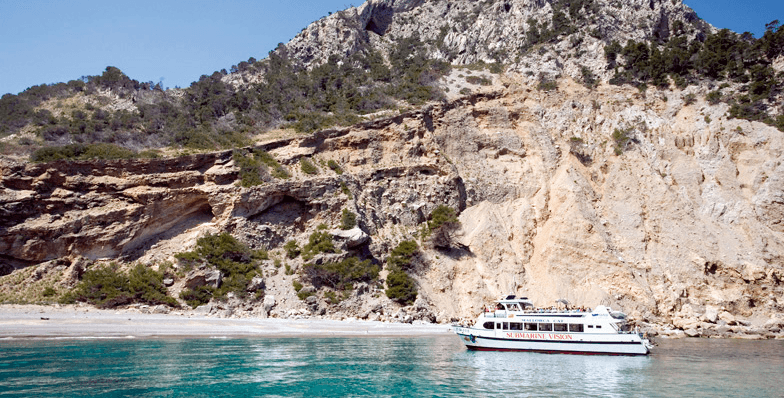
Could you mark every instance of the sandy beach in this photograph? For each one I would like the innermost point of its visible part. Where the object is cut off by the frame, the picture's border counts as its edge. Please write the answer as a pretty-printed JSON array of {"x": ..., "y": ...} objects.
[{"x": 34, "y": 321}]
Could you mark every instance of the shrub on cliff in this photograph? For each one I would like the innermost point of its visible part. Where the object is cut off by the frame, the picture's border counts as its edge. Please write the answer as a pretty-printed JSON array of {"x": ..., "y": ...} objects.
[
  {"x": 335, "y": 166},
  {"x": 441, "y": 225},
  {"x": 82, "y": 152},
  {"x": 277, "y": 170},
  {"x": 400, "y": 286},
  {"x": 348, "y": 220},
  {"x": 236, "y": 262},
  {"x": 197, "y": 296},
  {"x": 723, "y": 55},
  {"x": 107, "y": 287},
  {"x": 621, "y": 139},
  {"x": 307, "y": 166},
  {"x": 402, "y": 255},
  {"x": 318, "y": 242},
  {"x": 292, "y": 249},
  {"x": 340, "y": 275}
]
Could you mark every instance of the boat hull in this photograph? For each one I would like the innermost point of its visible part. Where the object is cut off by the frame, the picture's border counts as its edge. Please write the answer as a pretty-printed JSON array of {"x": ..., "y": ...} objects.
[{"x": 603, "y": 344}]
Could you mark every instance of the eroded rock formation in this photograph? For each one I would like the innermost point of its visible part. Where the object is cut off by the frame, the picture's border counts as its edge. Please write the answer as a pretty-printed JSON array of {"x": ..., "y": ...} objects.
[{"x": 680, "y": 226}]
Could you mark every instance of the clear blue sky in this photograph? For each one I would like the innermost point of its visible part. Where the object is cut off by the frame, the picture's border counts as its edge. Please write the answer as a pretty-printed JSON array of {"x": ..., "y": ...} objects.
[{"x": 177, "y": 41}]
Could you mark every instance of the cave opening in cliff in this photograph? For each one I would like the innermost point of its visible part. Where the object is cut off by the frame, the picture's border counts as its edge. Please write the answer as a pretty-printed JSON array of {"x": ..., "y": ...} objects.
[{"x": 380, "y": 20}]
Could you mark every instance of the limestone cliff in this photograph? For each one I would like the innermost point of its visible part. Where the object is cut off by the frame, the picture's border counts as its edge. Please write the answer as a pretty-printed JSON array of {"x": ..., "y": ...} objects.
[
  {"x": 494, "y": 31},
  {"x": 651, "y": 201},
  {"x": 680, "y": 227}
]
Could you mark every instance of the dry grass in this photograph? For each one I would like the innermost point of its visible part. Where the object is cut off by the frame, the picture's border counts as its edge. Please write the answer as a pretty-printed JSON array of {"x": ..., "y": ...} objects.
[{"x": 22, "y": 286}]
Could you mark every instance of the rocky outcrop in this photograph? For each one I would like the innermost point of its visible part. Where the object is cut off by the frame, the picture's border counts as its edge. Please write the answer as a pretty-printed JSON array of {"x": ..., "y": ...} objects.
[
  {"x": 680, "y": 229},
  {"x": 505, "y": 32}
]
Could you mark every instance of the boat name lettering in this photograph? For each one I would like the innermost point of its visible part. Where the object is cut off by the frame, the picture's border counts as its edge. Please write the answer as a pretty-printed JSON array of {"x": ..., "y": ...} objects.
[
  {"x": 540, "y": 336},
  {"x": 548, "y": 320}
]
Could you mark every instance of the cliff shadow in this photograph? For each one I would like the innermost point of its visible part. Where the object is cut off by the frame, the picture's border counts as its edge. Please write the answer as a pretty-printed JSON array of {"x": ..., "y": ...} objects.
[
  {"x": 167, "y": 230},
  {"x": 271, "y": 227}
]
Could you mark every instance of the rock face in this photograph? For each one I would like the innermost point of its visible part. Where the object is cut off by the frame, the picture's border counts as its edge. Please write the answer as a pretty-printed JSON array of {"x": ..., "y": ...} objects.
[
  {"x": 679, "y": 229},
  {"x": 680, "y": 225},
  {"x": 464, "y": 32}
]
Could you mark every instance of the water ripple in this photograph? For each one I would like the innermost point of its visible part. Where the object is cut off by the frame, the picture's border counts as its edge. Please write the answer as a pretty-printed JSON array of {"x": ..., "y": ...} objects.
[{"x": 386, "y": 367}]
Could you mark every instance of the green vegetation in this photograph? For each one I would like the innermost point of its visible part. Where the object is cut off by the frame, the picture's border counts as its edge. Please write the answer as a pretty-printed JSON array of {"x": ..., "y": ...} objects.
[
  {"x": 84, "y": 152},
  {"x": 292, "y": 249},
  {"x": 332, "y": 297},
  {"x": 250, "y": 169},
  {"x": 107, "y": 287},
  {"x": 440, "y": 225},
  {"x": 307, "y": 166},
  {"x": 200, "y": 295},
  {"x": 345, "y": 190},
  {"x": 480, "y": 80},
  {"x": 547, "y": 85},
  {"x": 277, "y": 170},
  {"x": 335, "y": 167},
  {"x": 318, "y": 242},
  {"x": 621, "y": 139},
  {"x": 713, "y": 97},
  {"x": 400, "y": 285},
  {"x": 341, "y": 275},
  {"x": 722, "y": 56},
  {"x": 348, "y": 220},
  {"x": 589, "y": 79},
  {"x": 212, "y": 114},
  {"x": 236, "y": 262},
  {"x": 567, "y": 16},
  {"x": 302, "y": 294},
  {"x": 402, "y": 255},
  {"x": 255, "y": 167}
]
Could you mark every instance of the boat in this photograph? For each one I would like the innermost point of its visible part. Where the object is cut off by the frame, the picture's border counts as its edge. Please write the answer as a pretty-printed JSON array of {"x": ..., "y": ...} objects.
[{"x": 515, "y": 324}]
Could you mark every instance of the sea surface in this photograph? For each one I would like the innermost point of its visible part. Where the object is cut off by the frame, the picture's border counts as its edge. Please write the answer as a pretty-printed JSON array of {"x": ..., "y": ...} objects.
[{"x": 435, "y": 366}]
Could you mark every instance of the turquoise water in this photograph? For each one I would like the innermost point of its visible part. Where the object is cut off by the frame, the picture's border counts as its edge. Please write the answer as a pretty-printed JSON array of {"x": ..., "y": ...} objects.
[{"x": 337, "y": 367}]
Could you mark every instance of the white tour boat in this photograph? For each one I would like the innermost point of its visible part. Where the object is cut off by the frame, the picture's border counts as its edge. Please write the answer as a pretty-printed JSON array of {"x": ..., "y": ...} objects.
[{"x": 516, "y": 325}]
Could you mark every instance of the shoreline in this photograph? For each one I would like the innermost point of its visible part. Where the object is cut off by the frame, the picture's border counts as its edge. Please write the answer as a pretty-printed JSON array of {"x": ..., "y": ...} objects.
[
  {"x": 18, "y": 322},
  {"x": 47, "y": 322}
]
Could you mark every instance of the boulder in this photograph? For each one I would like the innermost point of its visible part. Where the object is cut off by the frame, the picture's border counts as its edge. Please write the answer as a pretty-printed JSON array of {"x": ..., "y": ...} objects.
[
  {"x": 711, "y": 314},
  {"x": 161, "y": 309},
  {"x": 351, "y": 238},
  {"x": 202, "y": 277},
  {"x": 692, "y": 332},
  {"x": 268, "y": 303},
  {"x": 257, "y": 283},
  {"x": 203, "y": 309},
  {"x": 727, "y": 317}
]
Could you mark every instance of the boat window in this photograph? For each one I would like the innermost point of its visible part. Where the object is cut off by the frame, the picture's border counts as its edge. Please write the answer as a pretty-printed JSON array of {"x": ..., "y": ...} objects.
[
  {"x": 488, "y": 325},
  {"x": 499, "y": 307},
  {"x": 576, "y": 327},
  {"x": 515, "y": 326},
  {"x": 513, "y": 307},
  {"x": 545, "y": 327},
  {"x": 530, "y": 326},
  {"x": 598, "y": 326},
  {"x": 559, "y": 327},
  {"x": 590, "y": 326},
  {"x": 506, "y": 325},
  {"x": 498, "y": 326}
]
